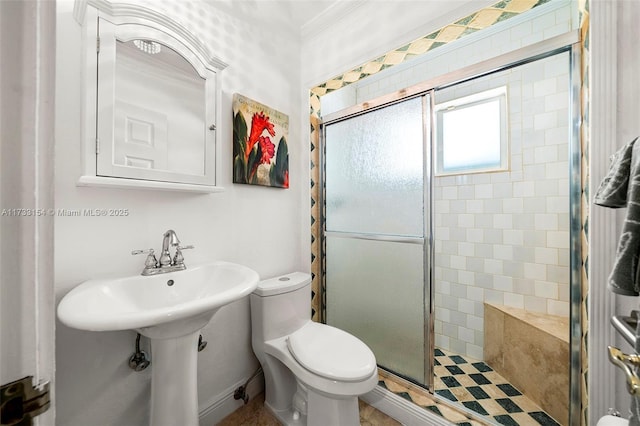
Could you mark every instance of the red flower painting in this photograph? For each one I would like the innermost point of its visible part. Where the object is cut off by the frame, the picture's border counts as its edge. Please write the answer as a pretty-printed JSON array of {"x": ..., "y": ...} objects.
[{"x": 256, "y": 158}]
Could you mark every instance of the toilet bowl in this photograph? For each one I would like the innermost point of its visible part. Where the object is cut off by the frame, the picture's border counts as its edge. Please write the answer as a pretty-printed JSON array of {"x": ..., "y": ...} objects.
[
  {"x": 612, "y": 421},
  {"x": 313, "y": 372}
]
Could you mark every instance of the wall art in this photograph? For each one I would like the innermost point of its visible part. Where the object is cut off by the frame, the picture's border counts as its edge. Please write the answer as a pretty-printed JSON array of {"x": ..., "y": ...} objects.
[{"x": 260, "y": 150}]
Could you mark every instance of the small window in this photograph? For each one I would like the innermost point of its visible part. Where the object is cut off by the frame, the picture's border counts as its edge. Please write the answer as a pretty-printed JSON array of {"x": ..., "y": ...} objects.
[{"x": 471, "y": 134}]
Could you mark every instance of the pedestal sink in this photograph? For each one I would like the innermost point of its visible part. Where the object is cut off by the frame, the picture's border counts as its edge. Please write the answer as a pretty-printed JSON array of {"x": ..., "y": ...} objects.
[{"x": 170, "y": 309}]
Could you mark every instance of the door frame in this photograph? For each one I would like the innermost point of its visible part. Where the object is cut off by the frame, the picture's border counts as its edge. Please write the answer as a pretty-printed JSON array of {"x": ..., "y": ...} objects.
[{"x": 27, "y": 106}]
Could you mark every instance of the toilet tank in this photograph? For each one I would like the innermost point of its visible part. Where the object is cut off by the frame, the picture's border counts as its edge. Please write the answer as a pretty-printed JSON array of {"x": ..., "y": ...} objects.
[{"x": 280, "y": 305}]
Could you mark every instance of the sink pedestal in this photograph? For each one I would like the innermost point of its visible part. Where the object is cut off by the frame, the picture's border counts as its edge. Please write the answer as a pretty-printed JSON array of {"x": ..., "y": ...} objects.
[
  {"x": 174, "y": 386},
  {"x": 170, "y": 309}
]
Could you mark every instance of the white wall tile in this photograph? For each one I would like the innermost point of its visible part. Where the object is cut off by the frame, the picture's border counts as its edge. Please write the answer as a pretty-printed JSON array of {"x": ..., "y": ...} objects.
[
  {"x": 546, "y": 221},
  {"x": 524, "y": 189},
  {"x": 503, "y": 252},
  {"x": 547, "y": 188},
  {"x": 514, "y": 300},
  {"x": 535, "y": 271},
  {"x": 542, "y": 88},
  {"x": 503, "y": 283},
  {"x": 557, "y": 307},
  {"x": 513, "y": 237},
  {"x": 543, "y": 22},
  {"x": 493, "y": 266},
  {"x": 466, "y": 248},
  {"x": 547, "y": 256},
  {"x": 495, "y": 297},
  {"x": 466, "y": 335},
  {"x": 558, "y": 239},
  {"x": 475, "y": 351},
  {"x": 475, "y": 294},
  {"x": 466, "y": 220},
  {"x": 546, "y": 289},
  {"x": 557, "y": 170},
  {"x": 483, "y": 191},
  {"x": 475, "y": 235},
  {"x": 535, "y": 304},
  {"x": 442, "y": 341},
  {"x": 558, "y": 274}
]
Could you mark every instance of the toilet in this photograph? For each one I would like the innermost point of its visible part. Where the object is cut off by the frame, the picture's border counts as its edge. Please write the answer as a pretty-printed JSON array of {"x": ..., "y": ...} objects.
[{"x": 313, "y": 372}]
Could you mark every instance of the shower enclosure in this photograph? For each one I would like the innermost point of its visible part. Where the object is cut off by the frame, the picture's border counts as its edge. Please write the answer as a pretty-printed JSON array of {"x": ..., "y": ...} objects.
[
  {"x": 449, "y": 198},
  {"x": 376, "y": 233}
]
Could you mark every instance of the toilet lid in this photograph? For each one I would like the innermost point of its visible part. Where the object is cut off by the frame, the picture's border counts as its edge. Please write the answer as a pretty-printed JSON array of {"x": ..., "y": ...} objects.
[{"x": 332, "y": 353}]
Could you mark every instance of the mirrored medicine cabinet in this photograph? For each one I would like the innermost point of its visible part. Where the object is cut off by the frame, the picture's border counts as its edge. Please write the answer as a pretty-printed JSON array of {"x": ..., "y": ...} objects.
[{"x": 151, "y": 92}]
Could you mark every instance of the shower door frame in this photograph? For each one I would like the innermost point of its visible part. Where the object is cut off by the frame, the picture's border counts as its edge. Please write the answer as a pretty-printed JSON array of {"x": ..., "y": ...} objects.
[
  {"x": 569, "y": 42},
  {"x": 427, "y": 237}
]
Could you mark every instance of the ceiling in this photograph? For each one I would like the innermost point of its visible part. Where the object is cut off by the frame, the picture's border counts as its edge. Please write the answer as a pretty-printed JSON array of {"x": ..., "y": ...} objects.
[
  {"x": 290, "y": 15},
  {"x": 304, "y": 17}
]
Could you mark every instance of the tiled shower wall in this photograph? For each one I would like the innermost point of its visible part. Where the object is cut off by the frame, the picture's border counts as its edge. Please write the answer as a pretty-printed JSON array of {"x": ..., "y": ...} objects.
[{"x": 503, "y": 237}]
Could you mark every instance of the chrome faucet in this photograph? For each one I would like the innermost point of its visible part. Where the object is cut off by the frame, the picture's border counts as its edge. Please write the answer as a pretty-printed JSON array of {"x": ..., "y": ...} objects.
[
  {"x": 169, "y": 239},
  {"x": 166, "y": 263}
]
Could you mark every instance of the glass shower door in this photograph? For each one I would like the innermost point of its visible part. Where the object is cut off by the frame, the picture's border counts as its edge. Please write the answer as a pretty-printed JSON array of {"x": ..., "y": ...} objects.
[{"x": 375, "y": 224}]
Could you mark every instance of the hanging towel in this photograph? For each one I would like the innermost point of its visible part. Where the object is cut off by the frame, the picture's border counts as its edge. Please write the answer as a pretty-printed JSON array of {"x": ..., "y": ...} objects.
[{"x": 620, "y": 188}]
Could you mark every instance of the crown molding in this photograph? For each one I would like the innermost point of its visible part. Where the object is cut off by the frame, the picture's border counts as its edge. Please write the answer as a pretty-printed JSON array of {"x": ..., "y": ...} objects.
[{"x": 330, "y": 16}]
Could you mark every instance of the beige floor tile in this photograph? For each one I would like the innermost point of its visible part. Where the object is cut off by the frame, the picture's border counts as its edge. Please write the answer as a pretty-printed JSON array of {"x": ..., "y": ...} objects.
[{"x": 256, "y": 414}]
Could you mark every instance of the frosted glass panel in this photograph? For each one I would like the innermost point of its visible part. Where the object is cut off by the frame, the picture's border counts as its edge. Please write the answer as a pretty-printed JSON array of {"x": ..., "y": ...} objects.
[
  {"x": 374, "y": 172},
  {"x": 375, "y": 290}
]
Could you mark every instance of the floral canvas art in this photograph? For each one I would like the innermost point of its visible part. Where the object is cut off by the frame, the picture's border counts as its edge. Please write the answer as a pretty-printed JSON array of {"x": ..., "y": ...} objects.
[{"x": 260, "y": 151}]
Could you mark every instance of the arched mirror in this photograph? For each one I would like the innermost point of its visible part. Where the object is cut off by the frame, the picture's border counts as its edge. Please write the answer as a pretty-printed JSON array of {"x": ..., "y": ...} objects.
[{"x": 150, "y": 105}]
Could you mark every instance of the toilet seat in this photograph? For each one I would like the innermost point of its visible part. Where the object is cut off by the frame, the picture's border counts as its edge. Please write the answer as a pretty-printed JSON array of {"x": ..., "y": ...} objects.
[{"x": 331, "y": 353}]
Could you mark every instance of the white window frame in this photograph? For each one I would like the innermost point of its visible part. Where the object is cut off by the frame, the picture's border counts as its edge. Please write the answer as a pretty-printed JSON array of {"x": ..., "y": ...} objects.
[{"x": 499, "y": 94}]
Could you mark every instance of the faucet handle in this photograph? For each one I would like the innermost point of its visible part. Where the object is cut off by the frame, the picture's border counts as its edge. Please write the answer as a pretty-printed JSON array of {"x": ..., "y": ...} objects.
[
  {"x": 151, "y": 261},
  {"x": 178, "y": 259},
  {"x": 150, "y": 251}
]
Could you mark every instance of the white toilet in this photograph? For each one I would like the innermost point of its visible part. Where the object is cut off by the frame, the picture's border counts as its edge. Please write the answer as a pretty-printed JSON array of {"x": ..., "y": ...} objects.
[{"x": 313, "y": 372}]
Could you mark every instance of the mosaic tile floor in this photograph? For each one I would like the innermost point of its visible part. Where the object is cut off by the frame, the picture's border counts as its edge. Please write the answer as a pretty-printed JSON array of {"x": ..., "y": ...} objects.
[
  {"x": 472, "y": 383},
  {"x": 476, "y": 387},
  {"x": 480, "y": 389}
]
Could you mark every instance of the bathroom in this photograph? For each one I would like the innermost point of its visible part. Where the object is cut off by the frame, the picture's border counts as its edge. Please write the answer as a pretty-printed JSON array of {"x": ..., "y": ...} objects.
[{"x": 92, "y": 379}]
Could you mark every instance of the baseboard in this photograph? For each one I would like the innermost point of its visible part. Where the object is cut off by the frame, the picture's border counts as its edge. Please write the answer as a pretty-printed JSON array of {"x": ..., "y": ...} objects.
[
  {"x": 402, "y": 410},
  {"x": 223, "y": 404}
]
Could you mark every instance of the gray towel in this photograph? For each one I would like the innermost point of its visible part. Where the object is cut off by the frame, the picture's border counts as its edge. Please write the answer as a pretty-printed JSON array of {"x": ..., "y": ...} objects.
[{"x": 620, "y": 188}]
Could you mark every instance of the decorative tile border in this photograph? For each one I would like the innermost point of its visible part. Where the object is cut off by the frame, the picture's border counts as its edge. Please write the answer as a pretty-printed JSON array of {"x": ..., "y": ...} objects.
[
  {"x": 585, "y": 139},
  {"x": 482, "y": 19}
]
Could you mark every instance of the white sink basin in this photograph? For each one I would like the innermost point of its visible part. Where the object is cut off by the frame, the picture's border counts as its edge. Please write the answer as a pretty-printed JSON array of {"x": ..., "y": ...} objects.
[
  {"x": 170, "y": 309},
  {"x": 162, "y": 305}
]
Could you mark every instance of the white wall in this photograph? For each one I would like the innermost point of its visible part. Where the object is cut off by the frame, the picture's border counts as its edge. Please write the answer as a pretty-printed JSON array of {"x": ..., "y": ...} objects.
[
  {"x": 257, "y": 226},
  {"x": 628, "y": 128}
]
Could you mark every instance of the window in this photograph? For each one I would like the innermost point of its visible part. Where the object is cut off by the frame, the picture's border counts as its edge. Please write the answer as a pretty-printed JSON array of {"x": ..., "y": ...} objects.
[{"x": 471, "y": 134}]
